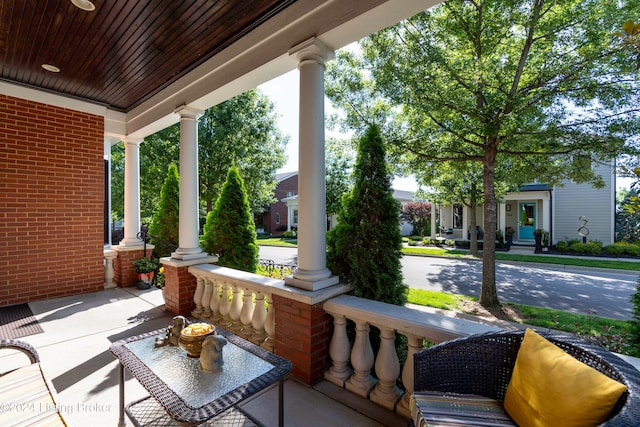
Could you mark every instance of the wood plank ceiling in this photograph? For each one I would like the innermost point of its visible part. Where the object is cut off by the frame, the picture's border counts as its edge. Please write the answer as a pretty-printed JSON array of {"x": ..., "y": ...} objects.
[{"x": 124, "y": 51}]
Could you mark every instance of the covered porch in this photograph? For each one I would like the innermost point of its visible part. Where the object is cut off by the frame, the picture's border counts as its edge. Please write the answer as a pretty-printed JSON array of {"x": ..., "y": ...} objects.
[{"x": 78, "y": 331}]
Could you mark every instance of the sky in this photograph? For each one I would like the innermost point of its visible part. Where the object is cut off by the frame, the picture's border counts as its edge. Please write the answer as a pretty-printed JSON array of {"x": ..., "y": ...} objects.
[{"x": 284, "y": 92}]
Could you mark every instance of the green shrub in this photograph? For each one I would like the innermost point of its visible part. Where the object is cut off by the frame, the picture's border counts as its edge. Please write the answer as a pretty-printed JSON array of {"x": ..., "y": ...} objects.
[
  {"x": 230, "y": 231},
  {"x": 365, "y": 247},
  {"x": 450, "y": 242},
  {"x": 415, "y": 238},
  {"x": 164, "y": 226},
  {"x": 614, "y": 249},
  {"x": 632, "y": 249},
  {"x": 413, "y": 243},
  {"x": 562, "y": 246}
]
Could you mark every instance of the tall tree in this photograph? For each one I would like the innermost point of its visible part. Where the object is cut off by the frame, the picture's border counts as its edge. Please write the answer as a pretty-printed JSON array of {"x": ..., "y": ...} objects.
[
  {"x": 539, "y": 85},
  {"x": 339, "y": 161},
  {"x": 365, "y": 246},
  {"x": 117, "y": 182},
  {"x": 165, "y": 224},
  {"x": 157, "y": 153},
  {"x": 242, "y": 132},
  {"x": 418, "y": 214},
  {"x": 229, "y": 231}
]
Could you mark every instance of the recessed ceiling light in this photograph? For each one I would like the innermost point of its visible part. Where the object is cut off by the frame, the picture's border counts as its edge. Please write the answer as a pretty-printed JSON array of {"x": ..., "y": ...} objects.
[
  {"x": 51, "y": 68},
  {"x": 84, "y": 5}
]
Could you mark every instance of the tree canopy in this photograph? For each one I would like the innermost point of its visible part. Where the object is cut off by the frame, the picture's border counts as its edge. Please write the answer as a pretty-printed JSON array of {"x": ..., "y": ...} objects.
[
  {"x": 241, "y": 131},
  {"x": 537, "y": 87}
]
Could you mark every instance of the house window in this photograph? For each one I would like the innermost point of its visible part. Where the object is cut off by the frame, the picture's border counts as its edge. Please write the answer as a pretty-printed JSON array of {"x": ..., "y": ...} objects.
[
  {"x": 457, "y": 216},
  {"x": 295, "y": 216},
  {"x": 289, "y": 193},
  {"x": 277, "y": 217}
]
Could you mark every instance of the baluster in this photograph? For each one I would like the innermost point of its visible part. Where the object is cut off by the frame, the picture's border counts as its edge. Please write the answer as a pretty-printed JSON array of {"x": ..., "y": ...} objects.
[
  {"x": 386, "y": 393},
  {"x": 270, "y": 327},
  {"x": 197, "y": 297},
  {"x": 414, "y": 345},
  {"x": 361, "y": 382},
  {"x": 339, "y": 350},
  {"x": 225, "y": 305},
  {"x": 234, "y": 312},
  {"x": 206, "y": 299},
  {"x": 216, "y": 301},
  {"x": 258, "y": 319},
  {"x": 246, "y": 314}
]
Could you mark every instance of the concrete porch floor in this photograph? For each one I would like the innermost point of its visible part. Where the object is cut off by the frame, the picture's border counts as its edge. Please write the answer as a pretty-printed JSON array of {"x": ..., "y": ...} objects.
[{"x": 74, "y": 353}]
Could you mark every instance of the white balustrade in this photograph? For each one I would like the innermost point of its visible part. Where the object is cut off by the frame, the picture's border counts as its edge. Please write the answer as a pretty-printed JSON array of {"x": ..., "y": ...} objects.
[
  {"x": 390, "y": 319},
  {"x": 237, "y": 301}
]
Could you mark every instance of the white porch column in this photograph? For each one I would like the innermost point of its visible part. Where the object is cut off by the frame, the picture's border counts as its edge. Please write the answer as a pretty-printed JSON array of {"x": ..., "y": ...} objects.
[
  {"x": 433, "y": 220},
  {"x": 131, "y": 192},
  {"x": 546, "y": 213},
  {"x": 312, "y": 272},
  {"x": 502, "y": 217},
  {"x": 188, "y": 243},
  {"x": 466, "y": 233}
]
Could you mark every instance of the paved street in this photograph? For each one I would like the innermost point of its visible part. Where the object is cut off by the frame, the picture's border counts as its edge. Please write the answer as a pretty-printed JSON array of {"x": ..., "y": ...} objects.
[{"x": 579, "y": 290}]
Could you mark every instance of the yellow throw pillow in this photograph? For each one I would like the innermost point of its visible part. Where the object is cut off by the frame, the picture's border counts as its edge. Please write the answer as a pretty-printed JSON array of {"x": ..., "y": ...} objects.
[{"x": 551, "y": 388}]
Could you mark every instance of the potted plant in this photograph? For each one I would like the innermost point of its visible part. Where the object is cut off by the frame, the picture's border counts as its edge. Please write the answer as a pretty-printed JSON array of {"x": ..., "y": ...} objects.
[
  {"x": 537, "y": 234},
  {"x": 145, "y": 268},
  {"x": 509, "y": 232}
]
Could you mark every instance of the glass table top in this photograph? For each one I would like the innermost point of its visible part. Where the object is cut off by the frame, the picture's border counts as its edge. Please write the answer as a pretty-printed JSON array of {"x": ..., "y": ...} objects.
[{"x": 181, "y": 374}]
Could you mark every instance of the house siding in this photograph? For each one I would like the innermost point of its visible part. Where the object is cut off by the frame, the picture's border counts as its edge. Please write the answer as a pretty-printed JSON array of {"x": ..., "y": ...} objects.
[
  {"x": 598, "y": 205},
  {"x": 51, "y": 201}
]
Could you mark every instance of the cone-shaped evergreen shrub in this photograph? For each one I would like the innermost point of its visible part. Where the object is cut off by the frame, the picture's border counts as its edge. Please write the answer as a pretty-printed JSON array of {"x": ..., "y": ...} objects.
[
  {"x": 365, "y": 246},
  {"x": 229, "y": 231},
  {"x": 165, "y": 224}
]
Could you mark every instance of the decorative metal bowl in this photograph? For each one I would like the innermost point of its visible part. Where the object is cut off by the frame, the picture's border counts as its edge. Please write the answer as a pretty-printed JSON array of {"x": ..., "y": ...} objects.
[{"x": 192, "y": 337}]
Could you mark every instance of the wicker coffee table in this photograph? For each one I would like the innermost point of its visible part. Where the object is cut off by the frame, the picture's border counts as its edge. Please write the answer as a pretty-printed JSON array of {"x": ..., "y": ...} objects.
[{"x": 189, "y": 396}]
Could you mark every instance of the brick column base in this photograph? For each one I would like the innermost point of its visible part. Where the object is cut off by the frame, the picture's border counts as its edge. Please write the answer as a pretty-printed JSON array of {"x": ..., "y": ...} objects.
[
  {"x": 303, "y": 335},
  {"x": 124, "y": 271},
  {"x": 180, "y": 285}
]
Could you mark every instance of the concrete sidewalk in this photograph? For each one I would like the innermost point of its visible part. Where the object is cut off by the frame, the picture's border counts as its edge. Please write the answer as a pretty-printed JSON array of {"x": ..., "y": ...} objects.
[{"x": 74, "y": 352}]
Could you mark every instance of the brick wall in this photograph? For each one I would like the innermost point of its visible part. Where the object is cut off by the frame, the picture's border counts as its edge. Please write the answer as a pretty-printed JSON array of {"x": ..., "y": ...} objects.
[
  {"x": 303, "y": 334},
  {"x": 51, "y": 201},
  {"x": 280, "y": 192},
  {"x": 180, "y": 285}
]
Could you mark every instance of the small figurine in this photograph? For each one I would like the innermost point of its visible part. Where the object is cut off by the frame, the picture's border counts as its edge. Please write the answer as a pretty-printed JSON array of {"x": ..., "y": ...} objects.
[
  {"x": 211, "y": 356},
  {"x": 173, "y": 332}
]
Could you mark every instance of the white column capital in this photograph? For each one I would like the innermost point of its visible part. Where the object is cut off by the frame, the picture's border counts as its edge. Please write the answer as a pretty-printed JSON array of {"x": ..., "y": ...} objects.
[
  {"x": 132, "y": 140},
  {"x": 312, "y": 50},
  {"x": 187, "y": 112}
]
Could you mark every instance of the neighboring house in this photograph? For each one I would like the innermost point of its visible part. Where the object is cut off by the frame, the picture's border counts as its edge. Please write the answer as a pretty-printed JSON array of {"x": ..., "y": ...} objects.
[
  {"x": 291, "y": 204},
  {"x": 554, "y": 209},
  {"x": 276, "y": 217}
]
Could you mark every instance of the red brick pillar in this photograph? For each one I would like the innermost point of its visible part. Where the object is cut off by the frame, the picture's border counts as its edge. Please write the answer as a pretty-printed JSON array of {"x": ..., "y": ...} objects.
[
  {"x": 180, "y": 285},
  {"x": 124, "y": 271},
  {"x": 303, "y": 334}
]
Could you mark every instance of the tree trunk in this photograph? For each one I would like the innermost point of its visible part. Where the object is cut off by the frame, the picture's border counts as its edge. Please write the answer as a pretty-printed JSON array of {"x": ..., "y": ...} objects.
[{"x": 489, "y": 293}]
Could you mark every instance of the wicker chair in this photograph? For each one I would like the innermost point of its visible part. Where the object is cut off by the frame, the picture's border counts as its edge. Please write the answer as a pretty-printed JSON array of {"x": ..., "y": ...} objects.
[{"x": 482, "y": 364}]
